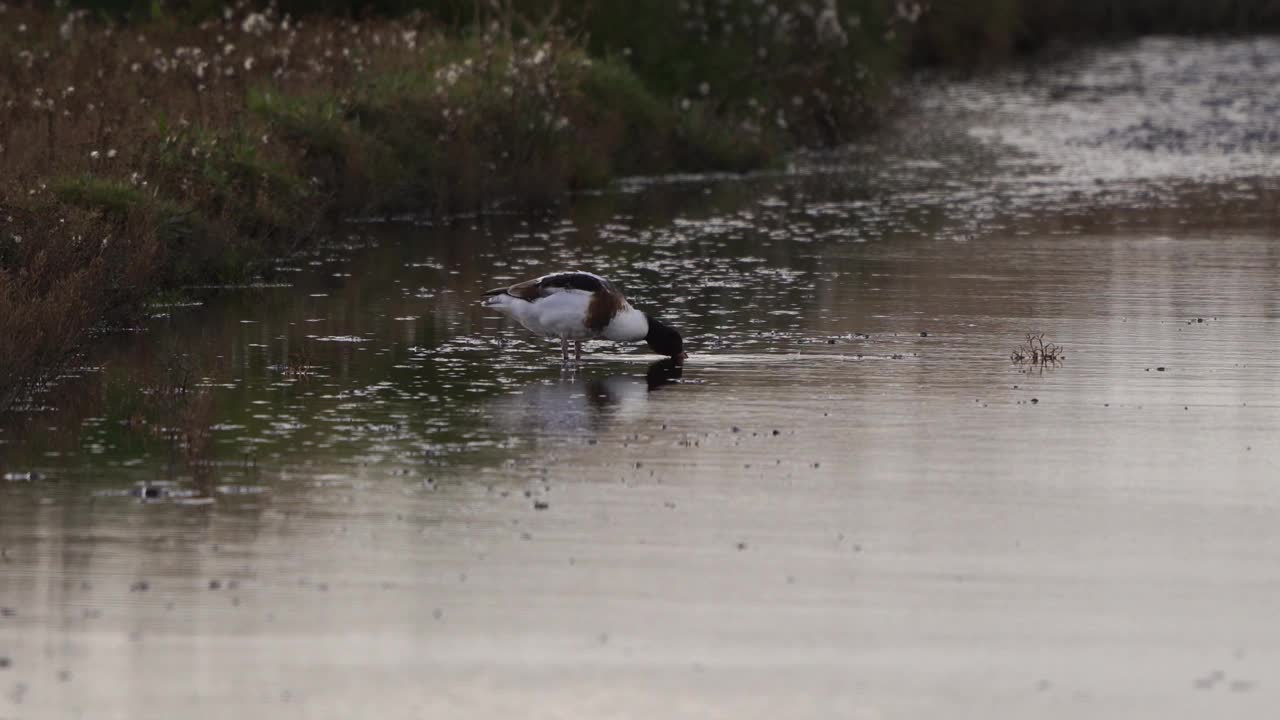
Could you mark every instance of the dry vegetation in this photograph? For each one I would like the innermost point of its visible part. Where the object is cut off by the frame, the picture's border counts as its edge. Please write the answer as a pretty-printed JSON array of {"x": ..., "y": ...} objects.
[
  {"x": 1034, "y": 351},
  {"x": 131, "y": 161}
]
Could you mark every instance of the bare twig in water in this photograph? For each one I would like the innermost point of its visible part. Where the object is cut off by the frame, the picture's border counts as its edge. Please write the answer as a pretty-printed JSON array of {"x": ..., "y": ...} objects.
[{"x": 1036, "y": 352}]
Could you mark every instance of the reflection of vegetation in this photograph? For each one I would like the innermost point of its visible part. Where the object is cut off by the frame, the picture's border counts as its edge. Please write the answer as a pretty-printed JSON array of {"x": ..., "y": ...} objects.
[
  {"x": 171, "y": 408},
  {"x": 1036, "y": 352}
]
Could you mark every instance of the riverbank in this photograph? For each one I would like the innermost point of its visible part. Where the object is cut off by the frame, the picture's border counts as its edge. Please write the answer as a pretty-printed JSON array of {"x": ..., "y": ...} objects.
[
  {"x": 144, "y": 156},
  {"x": 153, "y": 150}
]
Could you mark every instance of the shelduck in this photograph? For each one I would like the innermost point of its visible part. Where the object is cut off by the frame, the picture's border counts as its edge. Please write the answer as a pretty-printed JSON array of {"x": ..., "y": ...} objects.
[{"x": 579, "y": 306}]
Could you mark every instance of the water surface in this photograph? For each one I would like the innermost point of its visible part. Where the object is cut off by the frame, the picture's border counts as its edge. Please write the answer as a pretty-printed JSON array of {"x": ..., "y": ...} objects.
[{"x": 349, "y": 491}]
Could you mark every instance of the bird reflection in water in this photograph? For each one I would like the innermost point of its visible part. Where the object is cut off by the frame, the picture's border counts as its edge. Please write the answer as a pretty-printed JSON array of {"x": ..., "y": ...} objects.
[
  {"x": 577, "y": 403},
  {"x": 664, "y": 372}
]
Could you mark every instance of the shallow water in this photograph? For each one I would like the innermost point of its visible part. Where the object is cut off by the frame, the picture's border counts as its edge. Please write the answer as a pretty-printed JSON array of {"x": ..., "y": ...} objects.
[{"x": 350, "y": 492}]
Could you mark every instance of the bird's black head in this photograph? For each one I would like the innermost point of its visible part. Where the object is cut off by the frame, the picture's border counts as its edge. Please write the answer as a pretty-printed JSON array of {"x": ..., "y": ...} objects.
[{"x": 664, "y": 339}]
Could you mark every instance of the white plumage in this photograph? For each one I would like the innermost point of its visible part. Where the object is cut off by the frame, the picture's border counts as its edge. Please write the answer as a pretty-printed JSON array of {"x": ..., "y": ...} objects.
[{"x": 581, "y": 306}]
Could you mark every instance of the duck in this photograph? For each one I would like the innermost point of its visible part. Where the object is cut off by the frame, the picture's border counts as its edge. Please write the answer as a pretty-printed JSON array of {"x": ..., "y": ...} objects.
[{"x": 574, "y": 306}]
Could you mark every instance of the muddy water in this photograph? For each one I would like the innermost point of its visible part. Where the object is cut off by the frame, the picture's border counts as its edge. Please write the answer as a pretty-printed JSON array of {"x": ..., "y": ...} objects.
[{"x": 348, "y": 491}]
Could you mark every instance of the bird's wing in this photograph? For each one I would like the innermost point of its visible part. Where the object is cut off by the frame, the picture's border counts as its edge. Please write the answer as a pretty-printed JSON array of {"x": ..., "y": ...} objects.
[
  {"x": 527, "y": 290},
  {"x": 554, "y": 283}
]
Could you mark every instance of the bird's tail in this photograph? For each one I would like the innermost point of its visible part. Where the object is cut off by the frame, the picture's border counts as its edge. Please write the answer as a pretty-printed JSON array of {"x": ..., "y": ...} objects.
[{"x": 496, "y": 291}]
